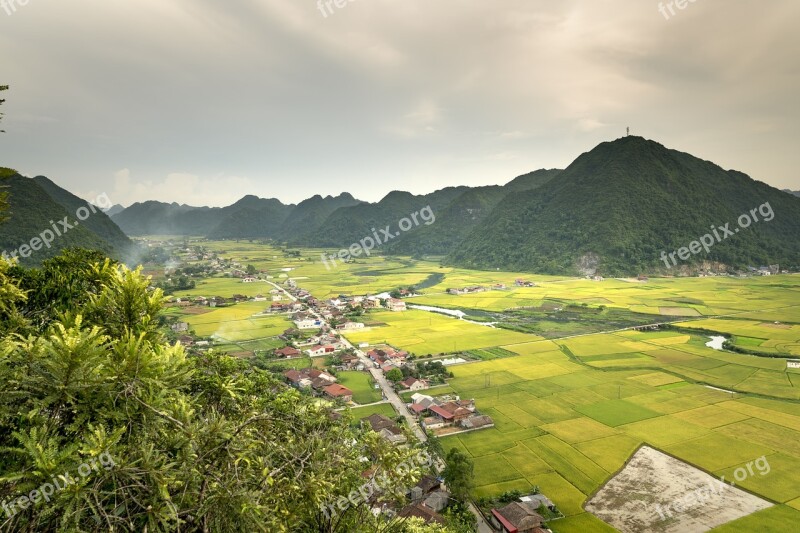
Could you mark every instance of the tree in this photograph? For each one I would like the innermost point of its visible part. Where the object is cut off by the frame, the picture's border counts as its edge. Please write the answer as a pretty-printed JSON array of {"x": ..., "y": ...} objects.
[
  {"x": 458, "y": 473},
  {"x": 251, "y": 270},
  {"x": 204, "y": 443},
  {"x": 394, "y": 375}
]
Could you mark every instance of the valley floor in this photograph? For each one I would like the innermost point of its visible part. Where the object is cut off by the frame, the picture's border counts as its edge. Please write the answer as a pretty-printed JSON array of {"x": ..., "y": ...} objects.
[{"x": 571, "y": 406}]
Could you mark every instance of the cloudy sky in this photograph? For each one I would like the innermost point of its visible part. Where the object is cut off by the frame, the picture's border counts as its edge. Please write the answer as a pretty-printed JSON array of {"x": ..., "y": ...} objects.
[{"x": 202, "y": 102}]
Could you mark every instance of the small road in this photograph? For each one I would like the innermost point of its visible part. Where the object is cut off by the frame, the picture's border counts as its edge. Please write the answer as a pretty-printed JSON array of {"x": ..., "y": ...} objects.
[{"x": 394, "y": 399}]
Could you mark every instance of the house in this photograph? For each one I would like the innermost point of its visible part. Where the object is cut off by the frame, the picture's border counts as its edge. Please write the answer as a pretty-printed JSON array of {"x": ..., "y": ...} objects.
[
  {"x": 423, "y": 488},
  {"x": 287, "y": 352},
  {"x": 518, "y": 517},
  {"x": 414, "y": 384},
  {"x": 351, "y": 362},
  {"x": 249, "y": 279},
  {"x": 238, "y": 298},
  {"x": 308, "y": 323},
  {"x": 259, "y": 298},
  {"x": 348, "y": 326},
  {"x": 186, "y": 340},
  {"x": 385, "y": 427},
  {"x": 420, "y": 510},
  {"x": 433, "y": 422},
  {"x": 321, "y": 349},
  {"x": 393, "y": 304},
  {"x": 477, "y": 422},
  {"x": 338, "y": 392},
  {"x": 297, "y": 379},
  {"x": 309, "y": 377},
  {"x": 180, "y": 327}
]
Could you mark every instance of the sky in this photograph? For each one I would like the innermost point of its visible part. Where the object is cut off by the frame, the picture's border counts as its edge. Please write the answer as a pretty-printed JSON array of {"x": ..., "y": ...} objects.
[{"x": 203, "y": 102}]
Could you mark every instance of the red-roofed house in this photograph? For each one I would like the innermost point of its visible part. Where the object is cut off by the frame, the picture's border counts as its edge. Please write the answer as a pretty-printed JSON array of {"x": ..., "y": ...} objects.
[
  {"x": 338, "y": 392},
  {"x": 517, "y": 517},
  {"x": 287, "y": 352}
]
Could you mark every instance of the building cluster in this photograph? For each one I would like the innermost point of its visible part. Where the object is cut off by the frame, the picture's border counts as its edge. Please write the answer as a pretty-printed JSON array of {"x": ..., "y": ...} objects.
[
  {"x": 320, "y": 383},
  {"x": 448, "y": 413}
]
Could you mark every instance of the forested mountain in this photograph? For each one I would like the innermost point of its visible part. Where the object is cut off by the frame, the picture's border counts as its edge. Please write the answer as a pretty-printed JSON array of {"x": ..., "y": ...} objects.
[
  {"x": 251, "y": 218},
  {"x": 619, "y": 206},
  {"x": 465, "y": 213},
  {"x": 38, "y": 209},
  {"x": 332, "y": 221},
  {"x": 159, "y": 218},
  {"x": 351, "y": 224},
  {"x": 99, "y": 222},
  {"x": 309, "y": 215}
]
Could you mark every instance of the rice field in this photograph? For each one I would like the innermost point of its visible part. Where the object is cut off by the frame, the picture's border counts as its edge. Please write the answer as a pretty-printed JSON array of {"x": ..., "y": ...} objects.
[{"x": 569, "y": 412}]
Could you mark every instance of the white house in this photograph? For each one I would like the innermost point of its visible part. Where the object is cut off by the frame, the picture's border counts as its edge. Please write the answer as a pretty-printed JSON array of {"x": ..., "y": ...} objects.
[
  {"x": 308, "y": 323},
  {"x": 395, "y": 305},
  {"x": 347, "y": 326}
]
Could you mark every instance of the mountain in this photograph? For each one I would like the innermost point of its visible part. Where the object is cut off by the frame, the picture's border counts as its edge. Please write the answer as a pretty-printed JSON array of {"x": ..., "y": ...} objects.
[
  {"x": 159, "y": 218},
  {"x": 44, "y": 216},
  {"x": 464, "y": 214},
  {"x": 99, "y": 223},
  {"x": 616, "y": 208},
  {"x": 114, "y": 209},
  {"x": 251, "y": 218},
  {"x": 309, "y": 215},
  {"x": 796, "y": 193},
  {"x": 348, "y": 225}
]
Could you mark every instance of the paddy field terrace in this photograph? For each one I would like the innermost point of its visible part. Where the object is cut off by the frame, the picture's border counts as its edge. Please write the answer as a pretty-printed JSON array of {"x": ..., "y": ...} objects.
[{"x": 573, "y": 376}]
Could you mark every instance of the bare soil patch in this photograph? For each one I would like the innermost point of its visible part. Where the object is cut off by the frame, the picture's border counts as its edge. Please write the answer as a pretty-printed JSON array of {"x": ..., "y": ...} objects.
[{"x": 658, "y": 493}]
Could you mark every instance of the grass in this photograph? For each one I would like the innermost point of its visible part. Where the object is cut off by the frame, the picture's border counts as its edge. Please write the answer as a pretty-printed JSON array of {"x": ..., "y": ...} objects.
[{"x": 361, "y": 383}]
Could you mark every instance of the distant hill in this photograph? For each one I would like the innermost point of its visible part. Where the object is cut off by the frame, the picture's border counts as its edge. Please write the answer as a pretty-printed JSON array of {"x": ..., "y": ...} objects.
[
  {"x": 310, "y": 215},
  {"x": 159, "y": 218},
  {"x": 114, "y": 209},
  {"x": 796, "y": 193},
  {"x": 466, "y": 212},
  {"x": 616, "y": 208},
  {"x": 349, "y": 225},
  {"x": 99, "y": 223},
  {"x": 38, "y": 205},
  {"x": 251, "y": 218}
]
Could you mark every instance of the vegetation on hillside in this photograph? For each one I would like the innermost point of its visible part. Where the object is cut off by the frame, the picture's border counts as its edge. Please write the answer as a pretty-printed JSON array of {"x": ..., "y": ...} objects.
[
  {"x": 33, "y": 211},
  {"x": 619, "y": 206}
]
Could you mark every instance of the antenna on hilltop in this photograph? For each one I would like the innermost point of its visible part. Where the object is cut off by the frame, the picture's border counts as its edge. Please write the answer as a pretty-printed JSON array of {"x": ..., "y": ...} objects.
[{"x": 629, "y": 132}]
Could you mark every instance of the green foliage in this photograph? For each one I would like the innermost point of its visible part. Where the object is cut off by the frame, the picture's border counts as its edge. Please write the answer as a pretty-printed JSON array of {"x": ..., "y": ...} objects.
[
  {"x": 34, "y": 211},
  {"x": 625, "y": 202},
  {"x": 459, "y": 473},
  {"x": 196, "y": 444},
  {"x": 394, "y": 375}
]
